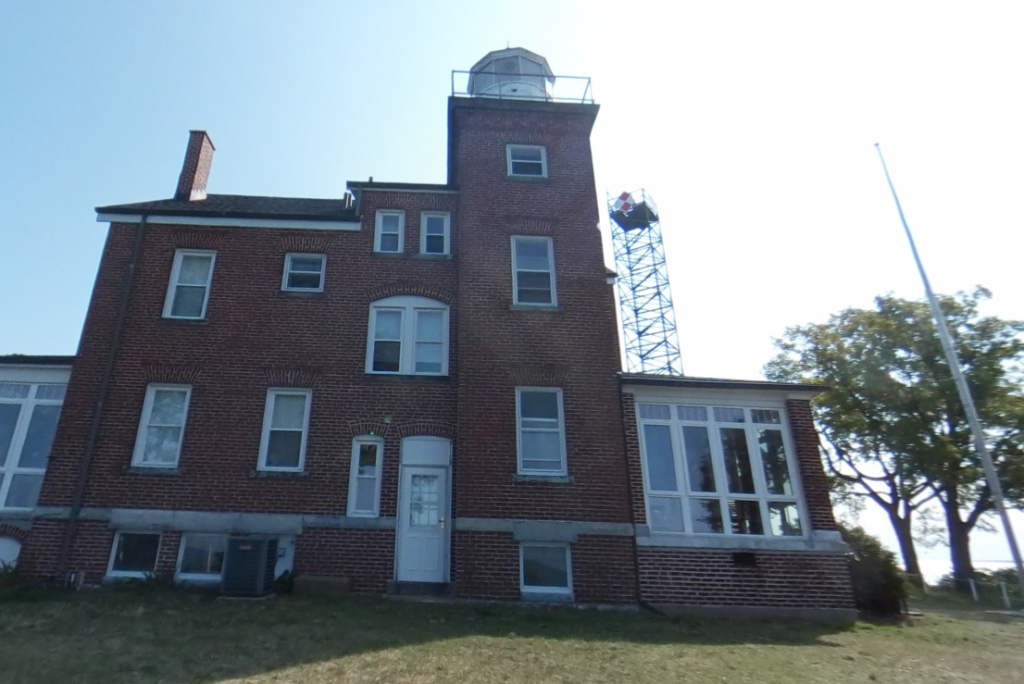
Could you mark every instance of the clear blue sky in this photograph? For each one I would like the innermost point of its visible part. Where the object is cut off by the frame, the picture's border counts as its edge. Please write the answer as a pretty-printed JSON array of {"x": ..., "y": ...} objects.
[{"x": 752, "y": 125}]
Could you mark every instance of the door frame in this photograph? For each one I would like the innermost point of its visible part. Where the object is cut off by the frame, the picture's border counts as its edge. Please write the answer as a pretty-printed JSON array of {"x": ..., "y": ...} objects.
[{"x": 434, "y": 452}]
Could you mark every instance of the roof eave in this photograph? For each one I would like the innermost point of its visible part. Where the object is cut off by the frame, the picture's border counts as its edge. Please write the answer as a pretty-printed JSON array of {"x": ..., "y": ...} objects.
[{"x": 716, "y": 383}]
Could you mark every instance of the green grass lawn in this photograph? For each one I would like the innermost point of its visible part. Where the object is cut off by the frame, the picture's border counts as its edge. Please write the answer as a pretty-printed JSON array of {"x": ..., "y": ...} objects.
[{"x": 170, "y": 637}]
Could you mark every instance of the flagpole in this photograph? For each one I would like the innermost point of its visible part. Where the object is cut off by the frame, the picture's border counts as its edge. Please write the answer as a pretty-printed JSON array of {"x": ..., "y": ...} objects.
[{"x": 961, "y": 385}]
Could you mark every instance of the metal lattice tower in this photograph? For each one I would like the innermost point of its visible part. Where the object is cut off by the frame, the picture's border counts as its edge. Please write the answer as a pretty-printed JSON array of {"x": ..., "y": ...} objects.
[{"x": 648, "y": 319}]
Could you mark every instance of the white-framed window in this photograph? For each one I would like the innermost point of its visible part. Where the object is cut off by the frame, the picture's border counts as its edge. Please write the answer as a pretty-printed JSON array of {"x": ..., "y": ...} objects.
[
  {"x": 408, "y": 336},
  {"x": 285, "y": 427},
  {"x": 533, "y": 270},
  {"x": 201, "y": 557},
  {"x": 134, "y": 554},
  {"x": 304, "y": 272},
  {"x": 545, "y": 568},
  {"x": 540, "y": 422},
  {"x": 189, "y": 289},
  {"x": 364, "y": 479},
  {"x": 435, "y": 230},
  {"x": 28, "y": 422},
  {"x": 527, "y": 160},
  {"x": 389, "y": 235},
  {"x": 721, "y": 470},
  {"x": 162, "y": 426}
]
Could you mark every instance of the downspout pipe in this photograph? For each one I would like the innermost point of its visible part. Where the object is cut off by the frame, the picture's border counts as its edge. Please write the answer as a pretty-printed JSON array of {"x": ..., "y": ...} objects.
[{"x": 97, "y": 413}]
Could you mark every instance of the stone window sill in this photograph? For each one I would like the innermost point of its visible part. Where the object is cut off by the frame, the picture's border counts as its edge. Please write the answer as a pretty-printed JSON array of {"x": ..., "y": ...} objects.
[
  {"x": 149, "y": 470},
  {"x": 412, "y": 255},
  {"x": 299, "y": 294},
  {"x": 553, "y": 479},
  {"x": 183, "y": 321},
  {"x": 286, "y": 474},
  {"x": 534, "y": 307}
]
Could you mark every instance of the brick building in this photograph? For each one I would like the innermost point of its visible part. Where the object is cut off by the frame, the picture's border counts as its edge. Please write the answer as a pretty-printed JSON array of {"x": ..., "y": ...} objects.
[{"x": 418, "y": 387}]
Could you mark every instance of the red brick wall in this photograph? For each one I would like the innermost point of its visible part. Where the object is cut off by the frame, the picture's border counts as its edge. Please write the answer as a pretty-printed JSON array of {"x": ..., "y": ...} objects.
[
  {"x": 365, "y": 557},
  {"x": 633, "y": 464},
  {"x": 90, "y": 552},
  {"x": 575, "y": 348},
  {"x": 254, "y": 337},
  {"x": 812, "y": 472},
  {"x": 711, "y": 578},
  {"x": 604, "y": 569},
  {"x": 485, "y": 565}
]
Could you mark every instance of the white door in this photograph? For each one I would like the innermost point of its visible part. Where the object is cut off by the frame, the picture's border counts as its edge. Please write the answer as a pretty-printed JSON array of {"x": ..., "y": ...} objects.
[{"x": 423, "y": 524}]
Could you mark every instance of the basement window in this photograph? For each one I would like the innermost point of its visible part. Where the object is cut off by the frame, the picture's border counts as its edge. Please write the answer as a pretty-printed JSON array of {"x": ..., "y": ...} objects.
[
  {"x": 201, "y": 557},
  {"x": 134, "y": 555},
  {"x": 304, "y": 273},
  {"x": 527, "y": 160},
  {"x": 545, "y": 570}
]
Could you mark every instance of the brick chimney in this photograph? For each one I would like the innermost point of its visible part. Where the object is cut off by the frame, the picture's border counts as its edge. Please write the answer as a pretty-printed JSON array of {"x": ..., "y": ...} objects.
[{"x": 196, "y": 169}]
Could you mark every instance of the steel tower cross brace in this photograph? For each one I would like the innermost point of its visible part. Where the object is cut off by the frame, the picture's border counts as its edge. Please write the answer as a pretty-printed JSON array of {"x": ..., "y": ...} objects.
[{"x": 645, "y": 299}]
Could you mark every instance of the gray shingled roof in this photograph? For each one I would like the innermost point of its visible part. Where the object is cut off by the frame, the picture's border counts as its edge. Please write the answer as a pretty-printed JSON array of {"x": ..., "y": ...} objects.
[{"x": 247, "y": 206}]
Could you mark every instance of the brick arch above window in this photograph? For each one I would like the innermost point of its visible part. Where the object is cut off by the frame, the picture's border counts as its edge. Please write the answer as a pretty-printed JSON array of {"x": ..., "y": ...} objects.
[
  {"x": 408, "y": 288},
  {"x": 411, "y": 202},
  {"x": 366, "y": 428},
  {"x": 316, "y": 243},
  {"x": 292, "y": 376},
  {"x": 427, "y": 428},
  {"x": 538, "y": 375},
  {"x": 171, "y": 373},
  {"x": 197, "y": 239},
  {"x": 519, "y": 225},
  {"x": 12, "y": 532},
  {"x": 522, "y": 138}
]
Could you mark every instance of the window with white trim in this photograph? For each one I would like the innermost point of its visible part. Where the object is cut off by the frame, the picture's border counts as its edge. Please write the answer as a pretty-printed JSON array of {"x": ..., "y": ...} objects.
[
  {"x": 364, "y": 478},
  {"x": 408, "y": 336},
  {"x": 533, "y": 270},
  {"x": 285, "y": 426},
  {"x": 718, "y": 470},
  {"x": 527, "y": 160},
  {"x": 303, "y": 272},
  {"x": 189, "y": 289},
  {"x": 162, "y": 426},
  {"x": 545, "y": 568},
  {"x": 201, "y": 557},
  {"x": 540, "y": 431},
  {"x": 134, "y": 554},
  {"x": 28, "y": 422},
  {"x": 389, "y": 234},
  {"x": 435, "y": 228}
]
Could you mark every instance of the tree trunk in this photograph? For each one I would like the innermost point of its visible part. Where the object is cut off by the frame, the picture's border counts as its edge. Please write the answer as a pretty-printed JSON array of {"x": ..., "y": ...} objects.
[
  {"x": 905, "y": 537},
  {"x": 959, "y": 540}
]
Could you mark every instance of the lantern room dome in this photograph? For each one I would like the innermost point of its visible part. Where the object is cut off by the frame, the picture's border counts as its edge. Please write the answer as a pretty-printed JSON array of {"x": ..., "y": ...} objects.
[{"x": 513, "y": 73}]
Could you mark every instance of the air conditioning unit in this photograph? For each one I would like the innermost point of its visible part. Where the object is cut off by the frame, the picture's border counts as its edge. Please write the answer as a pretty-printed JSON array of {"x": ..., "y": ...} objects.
[{"x": 249, "y": 566}]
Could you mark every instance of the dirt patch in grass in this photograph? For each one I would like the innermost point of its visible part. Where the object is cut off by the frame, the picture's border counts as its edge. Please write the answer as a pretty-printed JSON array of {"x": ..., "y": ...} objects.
[{"x": 173, "y": 638}]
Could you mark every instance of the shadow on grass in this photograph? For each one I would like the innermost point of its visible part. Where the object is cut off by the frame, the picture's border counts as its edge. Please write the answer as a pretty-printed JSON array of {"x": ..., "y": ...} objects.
[{"x": 147, "y": 635}]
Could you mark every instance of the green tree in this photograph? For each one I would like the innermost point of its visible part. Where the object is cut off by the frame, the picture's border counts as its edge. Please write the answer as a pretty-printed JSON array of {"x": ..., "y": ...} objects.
[{"x": 895, "y": 430}]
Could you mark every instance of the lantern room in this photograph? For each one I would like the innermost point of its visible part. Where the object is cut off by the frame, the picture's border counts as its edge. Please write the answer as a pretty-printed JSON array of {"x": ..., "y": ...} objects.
[{"x": 513, "y": 73}]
